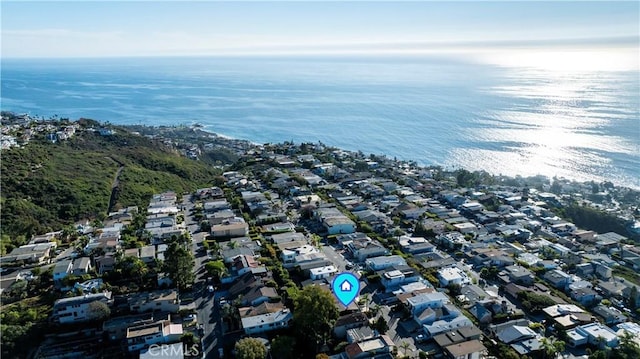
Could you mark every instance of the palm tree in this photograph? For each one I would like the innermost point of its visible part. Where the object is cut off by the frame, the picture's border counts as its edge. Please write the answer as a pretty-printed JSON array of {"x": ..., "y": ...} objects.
[
  {"x": 405, "y": 345},
  {"x": 551, "y": 347}
]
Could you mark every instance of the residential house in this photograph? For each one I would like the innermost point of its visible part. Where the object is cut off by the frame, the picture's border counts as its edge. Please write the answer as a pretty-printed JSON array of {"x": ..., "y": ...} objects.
[
  {"x": 397, "y": 276},
  {"x": 220, "y": 217},
  {"x": 585, "y": 296},
  {"x": 61, "y": 270},
  {"x": 307, "y": 262},
  {"x": 384, "y": 262},
  {"x": 156, "y": 301},
  {"x": 267, "y": 322},
  {"x": 452, "y": 240},
  {"x": 263, "y": 308},
  {"x": 216, "y": 206},
  {"x": 415, "y": 245},
  {"x": 594, "y": 333},
  {"x": 418, "y": 303},
  {"x": 258, "y": 295},
  {"x": 345, "y": 239},
  {"x": 349, "y": 321},
  {"x": 520, "y": 337},
  {"x": 322, "y": 272},
  {"x": 360, "y": 334},
  {"x": 116, "y": 328},
  {"x": 443, "y": 326},
  {"x": 458, "y": 335},
  {"x": 519, "y": 275},
  {"x": 81, "y": 266},
  {"x": 334, "y": 221},
  {"x": 145, "y": 335},
  {"x": 610, "y": 315},
  {"x": 370, "y": 348},
  {"x": 452, "y": 276},
  {"x": 79, "y": 308},
  {"x": 484, "y": 257},
  {"x": 244, "y": 284},
  {"x": 558, "y": 278},
  {"x": 244, "y": 264},
  {"x": 30, "y": 253},
  {"x": 288, "y": 255},
  {"x": 148, "y": 254},
  {"x": 105, "y": 263},
  {"x": 363, "y": 249},
  {"x": 227, "y": 229},
  {"x": 472, "y": 349},
  {"x": 229, "y": 254},
  {"x": 481, "y": 313}
]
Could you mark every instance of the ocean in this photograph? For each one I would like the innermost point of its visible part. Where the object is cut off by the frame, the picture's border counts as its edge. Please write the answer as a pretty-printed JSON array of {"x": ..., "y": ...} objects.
[{"x": 433, "y": 110}]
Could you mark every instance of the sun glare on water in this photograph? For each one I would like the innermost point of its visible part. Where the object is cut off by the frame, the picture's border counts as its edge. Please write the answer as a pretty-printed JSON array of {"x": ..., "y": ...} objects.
[{"x": 571, "y": 60}]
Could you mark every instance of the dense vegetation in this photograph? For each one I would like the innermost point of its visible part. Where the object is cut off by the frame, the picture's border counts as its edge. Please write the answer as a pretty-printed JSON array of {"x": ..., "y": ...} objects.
[
  {"x": 593, "y": 219},
  {"x": 46, "y": 186}
]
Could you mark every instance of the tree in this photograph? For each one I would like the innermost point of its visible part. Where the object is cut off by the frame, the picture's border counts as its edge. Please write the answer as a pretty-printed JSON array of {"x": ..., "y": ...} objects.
[
  {"x": 250, "y": 348},
  {"x": 633, "y": 297},
  {"x": 322, "y": 356},
  {"x": 133, "y": 267},
  {"x": 98, "y": 310},
  {"x": 551, "y": 347},
  {"x": 282, "y": 347},
  {"x": 205, "y": 226},
  {"x": 381, "y": 325},
  {"x": 188, "y": 338},
  {"x": 628, "y": 347},
  {"x": 179, "y": 263},
  {"x": 405, "y": 345},
  {"x": 315, "y": 313},
  {"x": 217, "y": 269}
]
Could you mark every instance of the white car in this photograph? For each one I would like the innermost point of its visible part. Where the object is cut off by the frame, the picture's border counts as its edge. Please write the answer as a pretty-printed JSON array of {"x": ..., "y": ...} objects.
[{"x": 210, "y": 289}]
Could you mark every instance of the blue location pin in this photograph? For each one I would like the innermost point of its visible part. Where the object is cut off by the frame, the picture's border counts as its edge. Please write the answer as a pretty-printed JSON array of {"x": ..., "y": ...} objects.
[{"x": 346, "y": 287}]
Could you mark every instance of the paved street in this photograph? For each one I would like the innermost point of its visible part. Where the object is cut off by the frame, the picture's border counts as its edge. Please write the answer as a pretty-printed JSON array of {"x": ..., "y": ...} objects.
[{"x": 204, "y": 302}]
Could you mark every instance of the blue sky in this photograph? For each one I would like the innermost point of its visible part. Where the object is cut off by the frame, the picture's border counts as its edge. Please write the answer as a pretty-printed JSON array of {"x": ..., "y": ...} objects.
[{"x": 126, "y": 28}]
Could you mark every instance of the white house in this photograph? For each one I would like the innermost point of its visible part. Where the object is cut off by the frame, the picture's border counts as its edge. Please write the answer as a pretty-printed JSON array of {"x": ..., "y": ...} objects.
[
  {"x": 289, "y": 255},
  {"x": 419, "y": 302},
  {"x": 443, "y": 326},
  {"x": 78, "y": 309},
  {"x": 395, "y": 278},
  {"x": 162, "y": 332},
  {"x": 452, "y": 275},
  {"x": 384, "y": 262},
  {"x": 322, "y": 272},
  {"x": 593, "y": 333},
  {"x": 267, "y": 322}
]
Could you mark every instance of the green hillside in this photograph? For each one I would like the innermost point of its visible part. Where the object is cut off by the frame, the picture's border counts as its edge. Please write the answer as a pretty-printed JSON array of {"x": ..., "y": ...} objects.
[{"x": 46, "y": 186}]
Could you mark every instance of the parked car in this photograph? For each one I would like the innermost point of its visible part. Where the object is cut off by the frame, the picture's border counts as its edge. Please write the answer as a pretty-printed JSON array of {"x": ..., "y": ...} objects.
[
  {"x": 210, "y": 289},
  {"x": 420, "y": 338}
]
